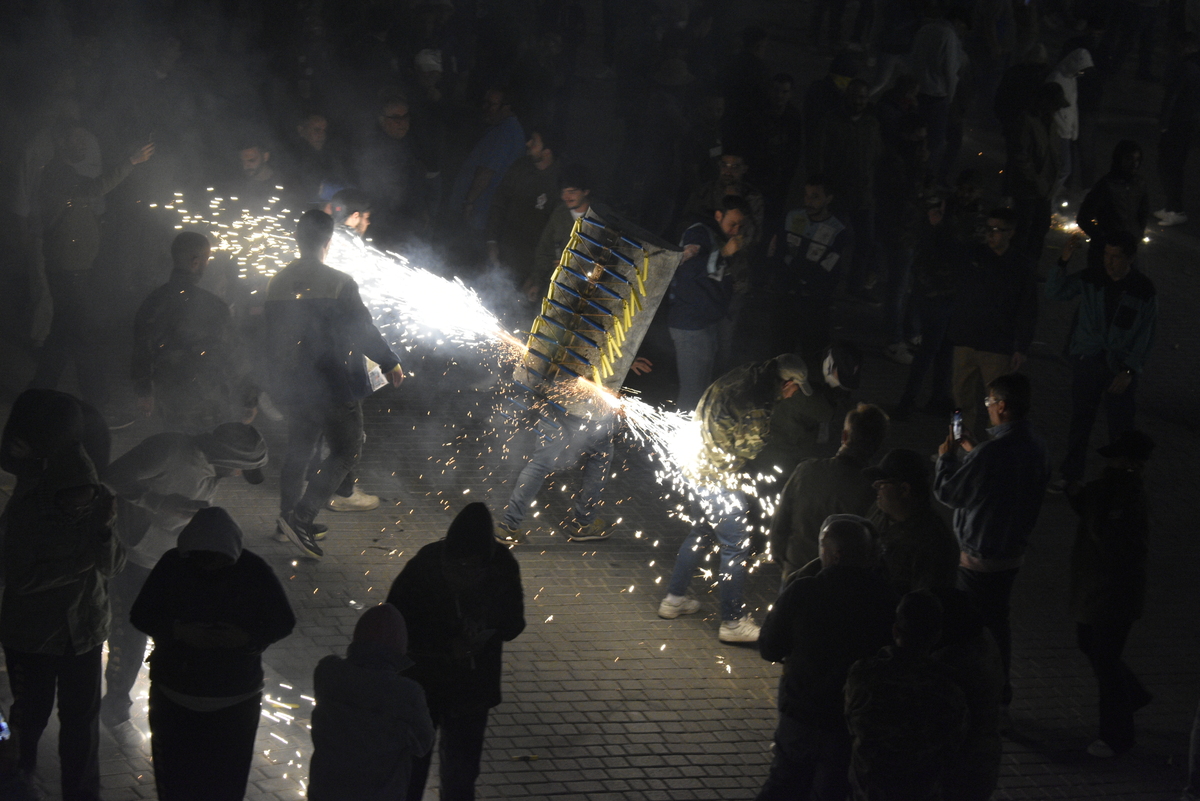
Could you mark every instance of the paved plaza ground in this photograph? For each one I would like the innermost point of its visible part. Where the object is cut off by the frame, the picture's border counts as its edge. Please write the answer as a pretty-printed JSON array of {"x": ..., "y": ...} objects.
[{"x": 603, "y": 700}]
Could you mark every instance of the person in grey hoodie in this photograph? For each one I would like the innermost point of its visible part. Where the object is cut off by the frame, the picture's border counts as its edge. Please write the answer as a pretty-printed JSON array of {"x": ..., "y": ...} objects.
[
  {"x": 160, "y": 483},
  {"x": 1065, "y": 123},
  {"x": 370, "y": 721}
]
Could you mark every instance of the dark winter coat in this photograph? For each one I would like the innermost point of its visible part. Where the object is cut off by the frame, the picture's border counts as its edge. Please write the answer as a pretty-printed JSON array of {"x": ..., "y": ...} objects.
[
  {"x": 458, "y": 622},
  {"x": 1108, "y": 559},
  {"x": 995, "y": 308},
  {"x": 369, "y": 724}
]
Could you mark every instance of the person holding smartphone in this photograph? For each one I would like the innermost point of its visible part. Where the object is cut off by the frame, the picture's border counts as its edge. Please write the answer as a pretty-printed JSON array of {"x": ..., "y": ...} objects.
[{"x": 996, "y": 492}]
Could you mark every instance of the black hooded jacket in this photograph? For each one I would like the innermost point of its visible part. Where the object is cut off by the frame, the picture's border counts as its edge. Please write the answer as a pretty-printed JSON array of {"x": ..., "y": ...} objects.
[
  {"x": 1118, "y": 203},
  {"x": 462, "y": 600}
]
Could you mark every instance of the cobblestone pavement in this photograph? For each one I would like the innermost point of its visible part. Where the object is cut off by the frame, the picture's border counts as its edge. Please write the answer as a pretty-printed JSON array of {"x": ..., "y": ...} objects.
[{"x": 603, "y": 700}]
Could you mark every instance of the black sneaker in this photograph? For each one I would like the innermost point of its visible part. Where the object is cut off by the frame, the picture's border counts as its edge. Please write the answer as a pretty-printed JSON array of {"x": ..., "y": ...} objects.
[{"x": 301, "y": 536}]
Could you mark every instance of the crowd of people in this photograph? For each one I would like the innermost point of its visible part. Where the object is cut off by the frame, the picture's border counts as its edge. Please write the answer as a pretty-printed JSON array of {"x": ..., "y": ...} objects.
[{"x": 454, "y": 129}]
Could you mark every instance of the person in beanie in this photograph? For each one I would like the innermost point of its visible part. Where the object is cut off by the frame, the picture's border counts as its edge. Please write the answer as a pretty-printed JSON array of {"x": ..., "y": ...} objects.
[
  {"x": 370, "y": 722},
  {"x": 160, "y": 483},
  {"x": 59, "y": 554},
  {"x": 1108, "y": 583},
  {"x": 212, "y": 608},
  {"x": 462, "y": 599}
]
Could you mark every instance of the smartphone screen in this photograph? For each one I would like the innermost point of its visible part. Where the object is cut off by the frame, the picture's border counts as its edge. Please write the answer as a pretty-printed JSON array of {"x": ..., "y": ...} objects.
[{"x": 956, "y": 424}]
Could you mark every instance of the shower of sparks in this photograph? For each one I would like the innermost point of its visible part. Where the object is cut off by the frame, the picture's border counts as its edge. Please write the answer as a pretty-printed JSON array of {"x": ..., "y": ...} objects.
[{"x": 410, "y": 303}]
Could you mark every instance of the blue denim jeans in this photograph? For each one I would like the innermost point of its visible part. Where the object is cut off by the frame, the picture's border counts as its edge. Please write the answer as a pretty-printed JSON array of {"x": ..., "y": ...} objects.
[
  {"x": 727, "y": 522},
  {"x": 699, "y": 355},
  {"x": 557, "y": 449}
]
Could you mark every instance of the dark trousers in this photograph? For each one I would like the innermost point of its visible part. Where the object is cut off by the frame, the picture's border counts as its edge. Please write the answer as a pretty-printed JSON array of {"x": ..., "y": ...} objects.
[
  {"x": 126, "y": 645},
  {"x": 808, "y": 762},
  {"x": 992, "y": 593},
  {"x": 35, "y": 679},
  {"x": 800, "y": 324},
  {"x": 71, "y": 338},
  {"x": 460, "y": 747},
  {"x": 1033, "y": 223},
  {"x": 1173, "y": 149},
  {"x": 935, "y": 352},
  {"x": 341, "y": 425},
  {"x": 862, "y": 263},
  {"x": 935, "y": 113},
  {"x": 1090, "y": 380},
  {"x": 1121, "y": 692},
  {"x": 202, "y": 756},
  {"x": 835, "y": 9}
]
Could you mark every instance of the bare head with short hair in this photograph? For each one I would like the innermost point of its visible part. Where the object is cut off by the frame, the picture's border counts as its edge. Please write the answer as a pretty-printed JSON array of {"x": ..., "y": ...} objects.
[
  {"x": 190, "y": 251},
  {"x": 864, "y": 430},
  {"x": 313, "y": 232},
  {"x": 847, "y": 540}
]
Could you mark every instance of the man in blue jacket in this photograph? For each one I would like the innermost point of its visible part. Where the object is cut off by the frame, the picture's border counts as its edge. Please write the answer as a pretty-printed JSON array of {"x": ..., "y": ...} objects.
[
  {"x": 699, "y": 296},
  {"x": 319, "y": 336},
  {"x": 996, "y": 493},
  {"x": 1110, "y": 340}
]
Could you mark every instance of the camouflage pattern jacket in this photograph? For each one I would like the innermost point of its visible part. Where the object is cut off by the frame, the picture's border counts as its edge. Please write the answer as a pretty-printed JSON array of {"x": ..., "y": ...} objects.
[{"x": 735, "y": 417}]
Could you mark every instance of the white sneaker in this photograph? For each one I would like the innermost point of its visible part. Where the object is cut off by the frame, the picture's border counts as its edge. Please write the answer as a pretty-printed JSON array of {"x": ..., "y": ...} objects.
[
  {"x": 358, "y": 501},
  {"x": 743, "y": 629},
  {"x": 669, "y": 610},
  {"x": 1101, "y": 750},
  {"x": 1163, "y": 212},
  {"x": 899, "y": 353},
  {"x": 1172, "y": 218}
]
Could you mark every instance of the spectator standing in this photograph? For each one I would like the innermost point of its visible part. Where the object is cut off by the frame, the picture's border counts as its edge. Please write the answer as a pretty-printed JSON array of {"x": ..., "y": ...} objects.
[
  {"x": 818, "y": 628},
  {"x": 462, "y": 600},
  {"x": 1119, "y": 203},
  {"x": 159, "y": 485},
  {"x": 212, "y": 608},
  {"x": 995, "y": 312},
  {"x": 1016, "y": 94},
  {"x": 996, "y": 493},
  {"x": 818, "y": 488},
  {"x": 937, "y": 264},
  {"x": 1066, "y": 119},
  {"x": 937, "y": 58},
  {"x": 318, "y": 162},
  {"x": 69, "y": 225},
  {"x": 734, "y": 416},
  {"x": 916, "y": 546},
  {"x": 905, "y": 712},
  {"x": 810, "y": 260},
  {"x": 523, "y": 205},
  {"x": 388, "y": 171},
  {"x": 1108, "y": 583},
  {"x": 731, "y": 172},
  {"x": 188, "y": 362},
  {"x": 59, "y": 555},
  {"x": 822, "y": 97},
  {"x": 700, "y": 294},
  {"x": 319, "y": 335},
  {"x": 1177, "y": 123},
  {"x": 370, "y": 722},
  {"x": 779, "y": 136},
  {"x": 493, "y": 154},
  {"x": 1113, "y": 332},
  {"x": 1032, "y": 168},
  {"x": 849, "y": 151}
]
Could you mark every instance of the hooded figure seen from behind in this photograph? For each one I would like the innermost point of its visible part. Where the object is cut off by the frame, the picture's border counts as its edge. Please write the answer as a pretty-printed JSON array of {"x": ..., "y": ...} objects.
[
  {"x": 370, "y": 721},
  {"x": 462, "y": 600}
]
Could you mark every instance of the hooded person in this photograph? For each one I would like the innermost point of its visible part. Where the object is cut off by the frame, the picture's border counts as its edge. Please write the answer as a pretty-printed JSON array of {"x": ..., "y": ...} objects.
[
  {"x": 370, "y": 722},
  {"x": 462, "y": 600},
  {"x": 212, "y": 608},
  {"x": 41, "y": 423},
  {"x": 1066, "y": 120},
  {"x": 160, "y": 483},
  {"x": 1118, "y": 203},
  {"x": 59, "y": 554}
]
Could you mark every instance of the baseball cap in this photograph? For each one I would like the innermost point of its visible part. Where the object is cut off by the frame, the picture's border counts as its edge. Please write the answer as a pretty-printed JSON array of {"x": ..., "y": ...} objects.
[
  {"x": 792, "y": 368},
  {"x": 901, "y": 464}
]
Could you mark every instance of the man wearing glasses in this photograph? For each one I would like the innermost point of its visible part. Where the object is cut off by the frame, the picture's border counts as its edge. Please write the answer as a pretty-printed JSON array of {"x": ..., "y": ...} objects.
[
  {"x": 994, "y": 315},
  {"x": 996, "y": 493}
]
